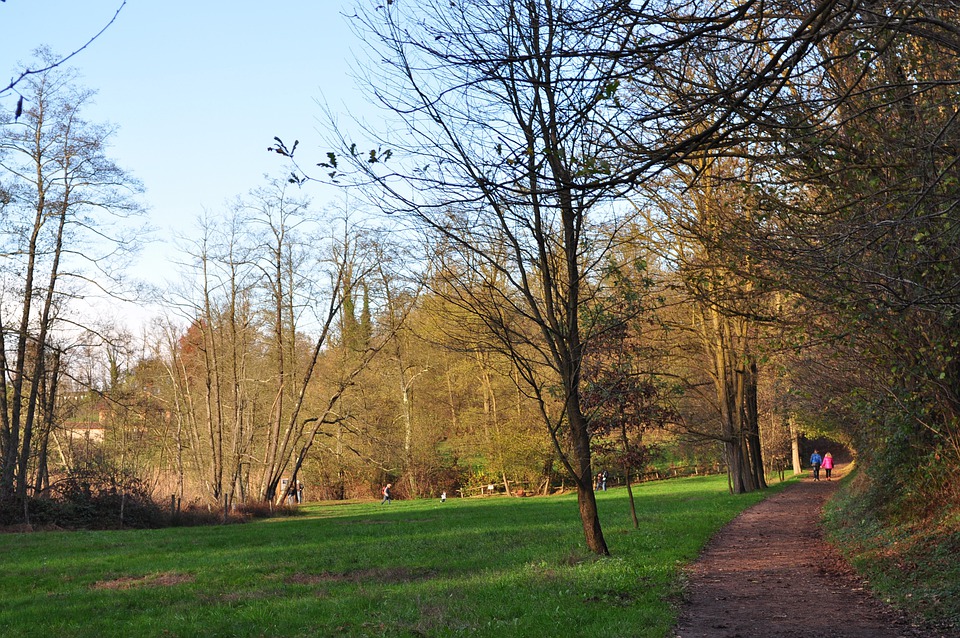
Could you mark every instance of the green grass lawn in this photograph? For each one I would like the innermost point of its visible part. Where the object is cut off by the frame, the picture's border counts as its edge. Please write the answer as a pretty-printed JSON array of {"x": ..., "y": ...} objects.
[{"x": 469, "y": 567}]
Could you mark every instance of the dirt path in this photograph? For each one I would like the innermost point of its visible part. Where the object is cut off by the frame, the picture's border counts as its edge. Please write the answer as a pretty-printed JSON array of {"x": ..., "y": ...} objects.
[{"x": 769, "y": 574}]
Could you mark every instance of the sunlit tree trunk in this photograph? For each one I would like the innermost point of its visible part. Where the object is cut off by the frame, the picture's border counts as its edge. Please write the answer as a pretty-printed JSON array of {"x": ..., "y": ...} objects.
[{"x": 795, "y": 446}]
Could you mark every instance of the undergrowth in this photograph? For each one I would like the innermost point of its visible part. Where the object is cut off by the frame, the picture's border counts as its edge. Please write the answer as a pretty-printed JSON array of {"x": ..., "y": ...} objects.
[{"x": 909, "y": 557}]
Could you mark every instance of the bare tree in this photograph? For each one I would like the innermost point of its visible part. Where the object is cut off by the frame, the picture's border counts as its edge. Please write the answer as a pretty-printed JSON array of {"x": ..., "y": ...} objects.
[
  {"x": 282, "y": 257},
  {"x": 510, "y": 111},
  {"x": 210, "y": 364},
  {"x": 264, "y": 306},
  {"x": 357, "y": 262},
  {"x": 65, "y": 227}
]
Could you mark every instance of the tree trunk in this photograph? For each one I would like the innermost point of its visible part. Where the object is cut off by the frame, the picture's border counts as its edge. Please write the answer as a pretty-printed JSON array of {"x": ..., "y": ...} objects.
[
  {"x": 586, "y": 498},
  {"x": 751, "y": 425},
  {"x": 625, "y": 442},
  {"x": 49, "y": 394},
  {"x": 795, "y": 447}
]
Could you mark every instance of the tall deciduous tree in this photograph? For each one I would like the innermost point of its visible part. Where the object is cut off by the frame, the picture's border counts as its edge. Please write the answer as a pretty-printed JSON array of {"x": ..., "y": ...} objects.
[
  {"x": 214, "y": 390},
  {"x": 698, "y": 211},
  {"x": 65, "y": 219},
  {"x": 359, "y": 260},
  {"x": 510, "y": 109},
  {"x": 264, "y": 304}
]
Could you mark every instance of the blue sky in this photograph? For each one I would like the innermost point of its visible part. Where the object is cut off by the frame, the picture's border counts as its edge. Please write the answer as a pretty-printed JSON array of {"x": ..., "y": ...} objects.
[{"x": 197, "y": 88}]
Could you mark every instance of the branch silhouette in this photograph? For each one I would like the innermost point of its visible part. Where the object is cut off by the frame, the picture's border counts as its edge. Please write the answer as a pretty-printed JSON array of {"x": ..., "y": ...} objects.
[{"x": 29, "y": 72}]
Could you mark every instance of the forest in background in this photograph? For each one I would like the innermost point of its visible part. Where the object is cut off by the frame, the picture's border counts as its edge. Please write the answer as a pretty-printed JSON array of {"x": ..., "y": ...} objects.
[{"x": 610, "y": 237}]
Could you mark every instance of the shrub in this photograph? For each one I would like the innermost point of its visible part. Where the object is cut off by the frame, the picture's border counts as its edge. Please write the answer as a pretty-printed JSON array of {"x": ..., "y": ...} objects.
[{"x": 97, "y": 497}]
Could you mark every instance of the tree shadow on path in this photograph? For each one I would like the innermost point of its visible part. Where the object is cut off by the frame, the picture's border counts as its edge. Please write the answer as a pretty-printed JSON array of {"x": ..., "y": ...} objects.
[{"x": 770, "y": 574}]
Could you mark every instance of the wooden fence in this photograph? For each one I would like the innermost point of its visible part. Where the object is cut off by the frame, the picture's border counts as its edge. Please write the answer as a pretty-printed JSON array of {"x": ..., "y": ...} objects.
[{"x": 520, "y": 488}]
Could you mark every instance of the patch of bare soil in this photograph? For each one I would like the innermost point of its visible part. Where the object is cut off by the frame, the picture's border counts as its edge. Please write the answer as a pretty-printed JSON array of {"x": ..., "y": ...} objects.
[
  {"x": 167, "y": 579},
  {"x": 770, "y": 574}
]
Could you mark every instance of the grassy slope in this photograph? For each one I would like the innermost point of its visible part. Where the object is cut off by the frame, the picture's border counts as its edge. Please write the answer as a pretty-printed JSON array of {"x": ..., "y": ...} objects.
[
  {"x": 912, "y": 563},
  {"x": 479, "y": 567}
]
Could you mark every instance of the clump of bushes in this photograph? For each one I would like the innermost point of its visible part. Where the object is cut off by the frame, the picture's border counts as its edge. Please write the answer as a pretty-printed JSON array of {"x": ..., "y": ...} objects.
[
  {"x": 99, "y": 496},
  {"x": 93, "y": 495}
]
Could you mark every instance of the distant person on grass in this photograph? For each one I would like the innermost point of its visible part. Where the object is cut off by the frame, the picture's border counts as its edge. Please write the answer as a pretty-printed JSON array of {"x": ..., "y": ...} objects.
[
  {"x": 292, "y": 494},
  {"x": 827, "y": 464},
  {"x": 386, "y": 494},
  {"x": 815, "y": 461}
]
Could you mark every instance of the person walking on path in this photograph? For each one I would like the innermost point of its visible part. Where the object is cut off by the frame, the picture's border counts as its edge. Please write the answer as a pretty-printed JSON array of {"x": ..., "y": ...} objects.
[
  {"x": 827, "y": 464},
  {"x": 815, "y": 461},
  {"x": 386, "y": 494}
]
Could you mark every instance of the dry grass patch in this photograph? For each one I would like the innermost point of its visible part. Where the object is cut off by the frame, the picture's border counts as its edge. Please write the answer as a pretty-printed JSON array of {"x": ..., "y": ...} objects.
[{"x": 166, "y": 579}]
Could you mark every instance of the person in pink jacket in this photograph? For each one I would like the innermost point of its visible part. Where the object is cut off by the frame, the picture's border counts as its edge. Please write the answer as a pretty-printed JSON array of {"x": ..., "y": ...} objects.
[{"x": 828, "y": 464}]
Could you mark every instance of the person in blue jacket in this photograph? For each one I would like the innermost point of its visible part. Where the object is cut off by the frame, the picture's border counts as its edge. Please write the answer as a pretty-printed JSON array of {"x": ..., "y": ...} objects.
[{"x": 815, "y": 461}]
